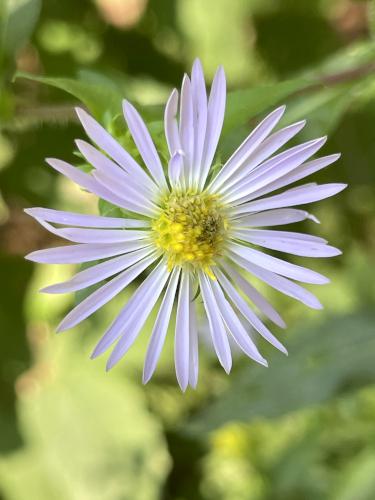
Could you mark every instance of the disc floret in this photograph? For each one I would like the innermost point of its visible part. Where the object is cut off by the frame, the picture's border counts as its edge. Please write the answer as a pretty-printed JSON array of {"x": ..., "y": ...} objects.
[{"x": 191, "y": 229}]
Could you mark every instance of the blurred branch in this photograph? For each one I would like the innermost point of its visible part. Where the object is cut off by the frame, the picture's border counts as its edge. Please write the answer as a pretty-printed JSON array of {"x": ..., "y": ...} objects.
[
  {"x": 27, "y": 117},
  {"x": 340, "y": 77},
  {"x": 62, "y": 114}
]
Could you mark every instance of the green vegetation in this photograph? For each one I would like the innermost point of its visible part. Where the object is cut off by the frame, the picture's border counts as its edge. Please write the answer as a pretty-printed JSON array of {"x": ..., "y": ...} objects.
[{"x": 304, "y": 429}]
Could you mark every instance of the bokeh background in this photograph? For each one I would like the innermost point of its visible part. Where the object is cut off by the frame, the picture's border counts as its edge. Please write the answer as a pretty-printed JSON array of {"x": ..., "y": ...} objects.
[{"x": 303, "y": 429}]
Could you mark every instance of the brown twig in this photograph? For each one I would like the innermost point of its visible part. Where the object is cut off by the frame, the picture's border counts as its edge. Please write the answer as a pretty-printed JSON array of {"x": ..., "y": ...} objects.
[{"x": 338, "y": 78}]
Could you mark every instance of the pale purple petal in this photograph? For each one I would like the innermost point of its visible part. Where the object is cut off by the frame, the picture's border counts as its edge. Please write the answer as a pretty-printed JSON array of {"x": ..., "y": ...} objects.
[
  {"x": 83, "y": 235},
  {"x": 105, "y": 141},
  {"x": 132, "y": 198},
  {"x": 74, "y": 174},
  {"x": 280, "y": 283},
  {"x": 277, "y": 217},
  {"x": 215, "y": 119},
  {"x": 138, "y": 301},
  {"x": 217, "y": 328},
  {"x": 199, "y": 94},
  {"x": 144, "y": 143},
  {"x": 235, "y": 326},
  {"x": 88, "y": 182},
  {"x": 303, "y": 246},
  {"x": 170, "y": 123},
  {"x": 246, "y": 311},
  {"x": 299, "y": 173},
  {"x": 246, "y": 148},
  {"x": 278, "y": 266},
  {"x": 290, "y": 235},
  {"x": 255, "y": 297},
  {"x": 104, "y": 294},
  {"x": 99, "y": 272},
  {"x": 98, "y": 160},
  {"x": 262, "y": 152},
  {"x": 273, "y": 169},
  {"x": 304, "y": 186},
  {"x": 160, "y": 329},
  {"x": 186, "y": 129},
  {"x": 181, "y": 340},
  {"x": 193, "y": 342},
  {"x": 176, "y": 168},
  {"x": 84, "y": 220},
  {"x": 298, "y": 196},
  {"x": 87, "y": 252},
  {"x": 133, "y": 326},
  {"x": 101, "y": 162}
]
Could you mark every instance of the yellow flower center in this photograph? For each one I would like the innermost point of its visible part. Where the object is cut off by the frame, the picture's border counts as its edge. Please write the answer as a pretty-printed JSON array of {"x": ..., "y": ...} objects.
[{"x": 191, "y": 229}]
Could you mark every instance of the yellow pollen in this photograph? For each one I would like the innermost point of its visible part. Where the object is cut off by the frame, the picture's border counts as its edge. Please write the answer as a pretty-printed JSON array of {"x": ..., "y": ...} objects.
[{"x": 191, "y": 229}]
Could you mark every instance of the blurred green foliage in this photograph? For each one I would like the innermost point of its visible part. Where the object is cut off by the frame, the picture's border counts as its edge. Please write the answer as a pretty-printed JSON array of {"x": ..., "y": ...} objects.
[{"x": 304, "y": 428}]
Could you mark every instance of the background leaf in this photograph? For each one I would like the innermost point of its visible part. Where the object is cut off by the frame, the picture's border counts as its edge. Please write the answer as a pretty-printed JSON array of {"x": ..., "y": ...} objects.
[
  {"x": 80, "y": 437},
  {"x": 17, "y": 21},
  {"x": 324, "y": 362},
  {"x": 102, "y": 98},
  {"x": 242, "y": 105}
]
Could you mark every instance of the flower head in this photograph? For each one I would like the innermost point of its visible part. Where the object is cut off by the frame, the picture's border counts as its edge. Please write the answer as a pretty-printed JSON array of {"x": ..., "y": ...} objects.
[{"x": 194, "y": 230}]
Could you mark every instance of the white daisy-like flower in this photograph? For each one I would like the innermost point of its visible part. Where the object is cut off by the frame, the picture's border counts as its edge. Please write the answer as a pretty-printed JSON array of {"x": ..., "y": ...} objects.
[{"x": 193, "y": 230}]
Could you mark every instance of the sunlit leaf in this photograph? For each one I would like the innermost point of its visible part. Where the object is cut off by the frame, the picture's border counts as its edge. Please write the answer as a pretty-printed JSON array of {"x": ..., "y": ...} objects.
[
  {"x": 86, "y": 434},
  {"x": 357, "y": 479}
]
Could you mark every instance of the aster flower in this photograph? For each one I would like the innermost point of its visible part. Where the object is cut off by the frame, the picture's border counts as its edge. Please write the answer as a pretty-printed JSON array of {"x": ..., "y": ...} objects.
[{"x": 193, "y": 228}]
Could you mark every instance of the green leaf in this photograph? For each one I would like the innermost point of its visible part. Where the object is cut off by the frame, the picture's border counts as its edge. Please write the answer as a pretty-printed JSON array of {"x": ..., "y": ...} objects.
[
  {"x": 357, "y": 480},
  {"x": 336, "y": 82},
  {"x": 100, "y": 96},
  {"x": 108, "y": 210},
  {"x": 323, "y": 109},
  {"x": 324, "y": 361},
  {"x": 17, "y": 21},
  {"x": 87, "y": 434},
  {"x": 242, "y": 105}
]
